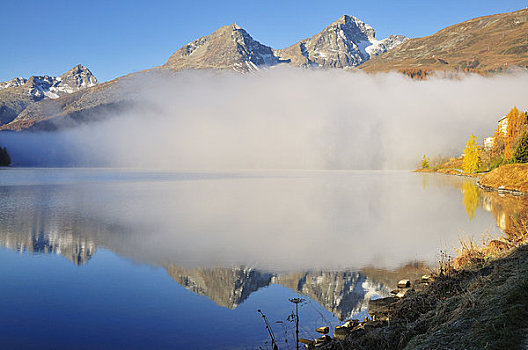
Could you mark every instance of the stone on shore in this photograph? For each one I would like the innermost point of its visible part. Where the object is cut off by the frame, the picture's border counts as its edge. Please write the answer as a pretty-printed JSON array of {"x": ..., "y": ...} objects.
[
  {"x": 322, "y": 330},
  {"x": 379, "y": 309},
  {"x": 404, "y": 284}
]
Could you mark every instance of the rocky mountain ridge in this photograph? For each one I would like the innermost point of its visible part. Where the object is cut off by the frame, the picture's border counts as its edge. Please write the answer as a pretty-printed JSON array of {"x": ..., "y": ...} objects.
[
  {"x": 18, "y": 93},
  {"x": 347, "y": 42},
  {"x": 45, "y": 86},
  {"x": 229, "y": 47}
]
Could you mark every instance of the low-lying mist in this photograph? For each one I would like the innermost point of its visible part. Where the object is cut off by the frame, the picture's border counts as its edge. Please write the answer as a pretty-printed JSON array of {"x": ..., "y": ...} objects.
[
  {"x": 274, "y": 220},
  {"x": 281, "y": 119}
]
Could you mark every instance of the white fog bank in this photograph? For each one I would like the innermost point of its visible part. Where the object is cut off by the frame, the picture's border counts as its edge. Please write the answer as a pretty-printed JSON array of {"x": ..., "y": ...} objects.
[{"x": 281, "y": 119}]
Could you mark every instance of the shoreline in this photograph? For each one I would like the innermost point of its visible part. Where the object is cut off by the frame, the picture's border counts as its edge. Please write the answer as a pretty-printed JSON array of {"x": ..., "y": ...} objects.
[
  {"x": 501, "y": 190},
  {"x": 483, "y": 305},
  {"x": 477, "y": 300},
  {"x": 506, "y": 179}
]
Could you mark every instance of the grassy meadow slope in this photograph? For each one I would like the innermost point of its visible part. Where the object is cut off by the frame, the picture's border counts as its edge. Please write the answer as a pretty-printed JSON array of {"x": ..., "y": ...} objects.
[{"x": 486, "y": 44}]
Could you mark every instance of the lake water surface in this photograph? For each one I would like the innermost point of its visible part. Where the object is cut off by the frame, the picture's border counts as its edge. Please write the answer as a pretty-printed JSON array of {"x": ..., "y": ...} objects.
[{"x": 98, "y": 258}]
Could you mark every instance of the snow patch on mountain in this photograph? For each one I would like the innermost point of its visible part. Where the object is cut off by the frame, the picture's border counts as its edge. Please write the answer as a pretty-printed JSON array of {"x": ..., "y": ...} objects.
[
  {"x": 12, "y": 83},
  {"x": 45, "y": 86},
  {"x": 380, "y": 46},
  {"x": 348, "y": 42}
]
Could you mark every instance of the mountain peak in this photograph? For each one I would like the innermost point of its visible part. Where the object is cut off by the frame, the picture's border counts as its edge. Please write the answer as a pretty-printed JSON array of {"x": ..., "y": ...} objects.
[
  {"x": 42, "y": 86},
  {"x": 348, "y": 19},
  {"x": 77, "y": 78},
  {"x": 229, "y": 47},
  {"x": 353, "y": 25},
  {"x": 78, "y": 69},
  {"x": 347, "y": 42},
  {"x": 19, "y": 93},
  {"x": 12, "y": 83}
]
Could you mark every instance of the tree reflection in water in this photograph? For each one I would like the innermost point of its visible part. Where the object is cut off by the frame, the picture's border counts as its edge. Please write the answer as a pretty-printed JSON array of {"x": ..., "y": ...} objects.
[{"x": 471, "y": 198}]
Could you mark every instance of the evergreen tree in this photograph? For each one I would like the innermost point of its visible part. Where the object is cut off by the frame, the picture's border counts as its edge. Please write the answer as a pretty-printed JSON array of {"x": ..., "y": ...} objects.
[
  {"x": 471, "y": 160},
  {"x": 5, "y": 159},
  {"x": 521, "y": 152},
  {"x": 8, "y": 157}
]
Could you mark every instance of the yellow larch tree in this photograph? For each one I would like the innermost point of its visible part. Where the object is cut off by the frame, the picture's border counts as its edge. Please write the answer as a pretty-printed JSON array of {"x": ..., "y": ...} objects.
[
  {"x": 516, "y": 121},
  {"x": 471, "y": 160}
]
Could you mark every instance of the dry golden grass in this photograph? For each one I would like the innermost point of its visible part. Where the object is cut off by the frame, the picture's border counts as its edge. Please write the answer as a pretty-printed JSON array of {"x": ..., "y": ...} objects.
[
  {"x": 473, "y": 254},
  {"x": 511, "y": 176},
  {"x": 453, "y": 163},
  {"x": 445, "y": 167},
  {"x": 477, "y": 301},
  {"x": 449, "y": 171}
]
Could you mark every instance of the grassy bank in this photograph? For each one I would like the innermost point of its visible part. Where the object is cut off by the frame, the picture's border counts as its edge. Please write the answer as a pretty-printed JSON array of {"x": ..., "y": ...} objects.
[
  {"x": 483, "y": 306},
  {"x": 511, "y": 176},
  {"x": 479, "y": 300}
]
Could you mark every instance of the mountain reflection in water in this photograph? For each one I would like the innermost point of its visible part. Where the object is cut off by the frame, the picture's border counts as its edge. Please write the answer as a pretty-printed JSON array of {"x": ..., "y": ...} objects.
[
  {"x": 343, "y": 293},
  {"x": 74, "y": 219}
]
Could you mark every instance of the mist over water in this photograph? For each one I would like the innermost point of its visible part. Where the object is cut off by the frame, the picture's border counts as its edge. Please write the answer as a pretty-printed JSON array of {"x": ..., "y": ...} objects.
[
  {"x": 273, "y": 220},
  {"x": 281, "y": 118}
]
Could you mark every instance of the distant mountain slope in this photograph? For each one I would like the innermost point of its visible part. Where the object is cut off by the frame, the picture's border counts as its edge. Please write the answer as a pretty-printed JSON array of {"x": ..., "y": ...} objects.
[
  {"x": 17, "y": 94},
  {"x": 347, "y": 42},
  {"x": 486, "y": 44},
  {"x": 72, "y": 109}
]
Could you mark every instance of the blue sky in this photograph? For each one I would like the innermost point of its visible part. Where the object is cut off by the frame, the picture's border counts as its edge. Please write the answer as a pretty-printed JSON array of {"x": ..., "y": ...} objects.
[{"x": 116, "y": 37}]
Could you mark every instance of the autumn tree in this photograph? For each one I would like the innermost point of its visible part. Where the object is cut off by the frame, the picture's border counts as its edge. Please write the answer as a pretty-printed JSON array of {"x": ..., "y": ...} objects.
[
  {"x": 497, "y": 149},
  {"x": 425, "y": 162},
  {"x": 471, "y": 160},
  {"x": 515, "y": 128}
]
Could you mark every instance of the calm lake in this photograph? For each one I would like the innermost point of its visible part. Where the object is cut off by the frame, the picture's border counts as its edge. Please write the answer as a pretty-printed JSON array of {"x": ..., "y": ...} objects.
[{"x": 99, "y": 258}]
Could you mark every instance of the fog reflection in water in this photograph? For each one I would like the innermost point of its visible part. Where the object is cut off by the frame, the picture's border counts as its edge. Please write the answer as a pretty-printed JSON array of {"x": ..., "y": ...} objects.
[
  {"x": 271, "y": 220},
  {"x": 337, "y": 238}
]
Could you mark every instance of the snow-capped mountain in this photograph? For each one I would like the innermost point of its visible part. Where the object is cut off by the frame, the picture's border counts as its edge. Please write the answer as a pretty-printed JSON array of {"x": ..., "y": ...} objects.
[
  {"x": 45, "y": 86},
  {"x": 229, "y": 47},
  {"x": 347, "y": 42},
  {"x": 19, "y": 93},
  {"x": 12, "y": 83}
]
